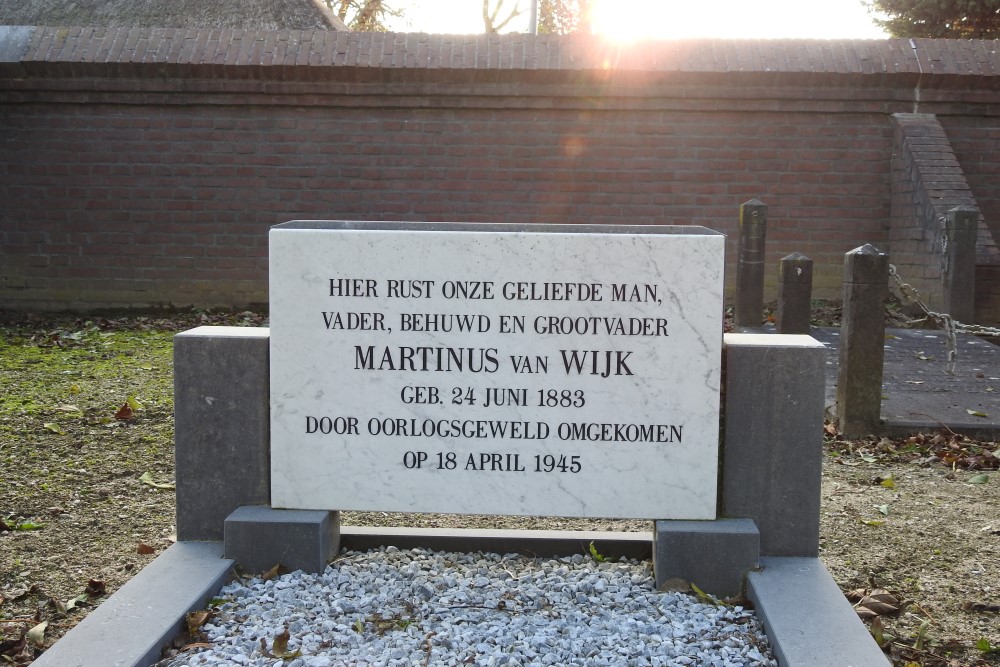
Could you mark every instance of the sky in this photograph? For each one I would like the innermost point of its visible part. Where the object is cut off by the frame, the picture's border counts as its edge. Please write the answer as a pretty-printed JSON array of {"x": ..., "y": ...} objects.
[{"x": 669, "y": 19}]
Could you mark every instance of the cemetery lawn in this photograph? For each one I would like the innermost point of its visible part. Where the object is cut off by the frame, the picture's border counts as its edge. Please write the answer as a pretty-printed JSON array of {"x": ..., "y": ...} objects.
[{"x": 86, "y": 498}]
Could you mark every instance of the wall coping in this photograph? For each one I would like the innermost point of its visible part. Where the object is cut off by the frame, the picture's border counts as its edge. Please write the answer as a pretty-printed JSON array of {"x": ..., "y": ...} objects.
[{"x": 318, "y": 55}]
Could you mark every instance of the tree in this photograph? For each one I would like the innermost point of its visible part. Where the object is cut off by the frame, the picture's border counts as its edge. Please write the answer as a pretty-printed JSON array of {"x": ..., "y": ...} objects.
[
  {"x": 490, "y": 19},
  {"x": 562, "y": 17},
  {"x": 364, "y": 15},
  {"x": 956, "y": 19}
]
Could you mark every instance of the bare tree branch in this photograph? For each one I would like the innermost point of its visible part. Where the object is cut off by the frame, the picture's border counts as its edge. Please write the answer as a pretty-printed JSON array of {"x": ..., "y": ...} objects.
[{"x": 490, "y": 20}]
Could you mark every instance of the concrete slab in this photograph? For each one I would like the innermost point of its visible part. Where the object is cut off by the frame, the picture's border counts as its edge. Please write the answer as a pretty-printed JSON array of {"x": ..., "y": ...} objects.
[
  {"x": 920, "y": 394},
  {"x": 807, "y": 619},
  {"x": 130, "y": 628}
]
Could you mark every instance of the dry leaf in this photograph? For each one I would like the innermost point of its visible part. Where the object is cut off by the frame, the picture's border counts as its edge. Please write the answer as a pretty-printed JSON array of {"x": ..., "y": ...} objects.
[
  {"x": 879, "y": 602},
  {"x": 36, "y": 635},
  {"x": 95, "y": 588},
  {"x": 147, "y": 478},
  {"x": 144, "y": 549},
  {"x": 124, "y": 413},
  {"x": 279, "y": 647},
  {"x": 196, "y": 619}
]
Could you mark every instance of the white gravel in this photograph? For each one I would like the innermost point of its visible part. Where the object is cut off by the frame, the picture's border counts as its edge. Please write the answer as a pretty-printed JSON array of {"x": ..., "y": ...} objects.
[{"x": 390, "y": 607}]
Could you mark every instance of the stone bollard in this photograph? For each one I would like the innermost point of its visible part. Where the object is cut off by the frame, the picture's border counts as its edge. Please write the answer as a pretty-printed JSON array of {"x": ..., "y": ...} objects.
[
  {"x": 961, "y": 229},
  {"x": 862, "y": 341},
  {"x": 795, "y": 274},
  {"x": 750, "y": 266}
]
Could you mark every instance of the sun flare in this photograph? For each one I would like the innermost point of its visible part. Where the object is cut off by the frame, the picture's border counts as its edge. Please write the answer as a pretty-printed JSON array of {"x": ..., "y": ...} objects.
[{"x": 644, "y": 19}]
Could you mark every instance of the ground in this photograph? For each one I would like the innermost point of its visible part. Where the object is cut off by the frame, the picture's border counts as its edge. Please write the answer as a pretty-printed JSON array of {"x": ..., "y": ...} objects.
[{"x": 86, "y": 454}]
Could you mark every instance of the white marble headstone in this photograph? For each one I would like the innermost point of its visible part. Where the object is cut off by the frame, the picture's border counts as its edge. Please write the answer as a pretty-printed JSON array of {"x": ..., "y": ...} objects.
[{"x": 568, "y": 370}]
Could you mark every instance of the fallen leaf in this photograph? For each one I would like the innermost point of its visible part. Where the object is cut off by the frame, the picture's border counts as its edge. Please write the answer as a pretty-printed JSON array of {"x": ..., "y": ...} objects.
[
  {"x": 36, "y": 635},
  {"x": 144, "y": 549},
  {"x": 54, "y": 427},
  {"x": 872, "y": 522},
  {"x": 196, "y": 619},
  {"x": 95, "y": 588},
  {"x": 981, "y": 607},
  {"x": 977, "y": 413},
  {"x": 28, "y": 525},
  {"x": 133, "y": 403},
  {"x": 878, "y": 631},
  {"x": 888, "y": 482},
  {"x": 272, "y": 573},
  {"x": 880, "y": 602},
  {"x": 914, "y": 382},
  {"x": 922, "y": 357},
  {"x": 68, "y": 408},
  {"x": 981, "y": 478},
  {"x": 855, "y": 595},
  {"x": 147, "y": 478},
  {"x": 883, "y": 509},
  {"x": 279, "y": 647},
  {"x": 73, "y": 602},
  {"x": 124, "y": 413}
]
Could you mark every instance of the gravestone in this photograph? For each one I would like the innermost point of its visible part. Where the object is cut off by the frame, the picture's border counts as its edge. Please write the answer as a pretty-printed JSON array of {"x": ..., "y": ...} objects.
[
  {"x": 569, "y": 369},
  {"x": 549, "y": 370}
]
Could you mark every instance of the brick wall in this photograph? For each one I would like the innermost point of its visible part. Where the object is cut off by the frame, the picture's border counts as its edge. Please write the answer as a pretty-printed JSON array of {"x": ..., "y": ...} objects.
[{"x": 144, "y": 167}]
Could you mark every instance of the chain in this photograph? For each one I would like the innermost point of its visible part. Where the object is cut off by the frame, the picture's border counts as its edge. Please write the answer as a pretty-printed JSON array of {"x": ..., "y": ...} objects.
[{"x": 909, "y": 294}]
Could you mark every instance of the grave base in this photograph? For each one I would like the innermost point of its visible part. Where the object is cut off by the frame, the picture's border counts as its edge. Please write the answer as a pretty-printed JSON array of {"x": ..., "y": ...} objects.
[
  {"x": 260, "y": 537},
  {"x": 715, "y": 555},
  {"x": 809, "y": 623}
]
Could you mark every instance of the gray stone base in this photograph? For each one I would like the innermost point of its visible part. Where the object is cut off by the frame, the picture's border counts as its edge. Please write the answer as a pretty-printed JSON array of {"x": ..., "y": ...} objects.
[
  {"x": 713, "y": 555},
  {"x": 808, "y": 620},
  {"x": 258, "y": 538},
  {"x": 131, "y": 627}
]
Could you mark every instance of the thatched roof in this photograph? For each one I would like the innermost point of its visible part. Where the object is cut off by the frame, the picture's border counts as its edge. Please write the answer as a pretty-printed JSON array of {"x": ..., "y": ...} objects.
[{"x": 238, "y": 14}]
